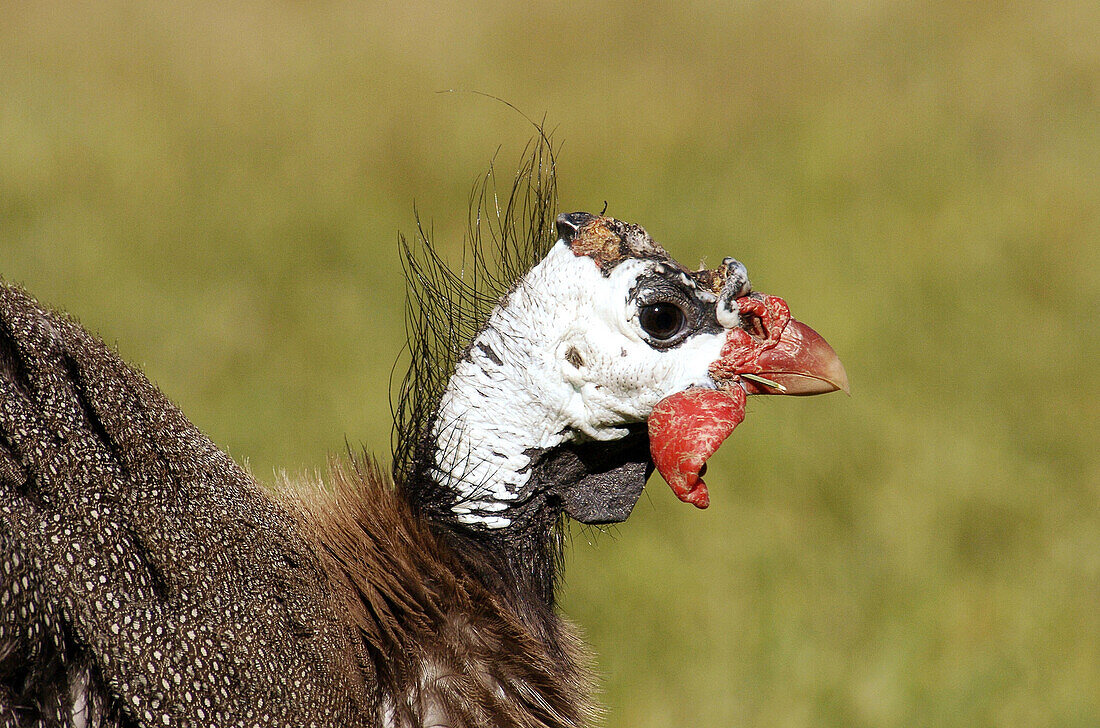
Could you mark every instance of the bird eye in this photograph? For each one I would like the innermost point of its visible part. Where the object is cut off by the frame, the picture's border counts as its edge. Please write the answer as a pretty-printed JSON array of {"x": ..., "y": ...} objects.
[{"x": 662, "y": 321}]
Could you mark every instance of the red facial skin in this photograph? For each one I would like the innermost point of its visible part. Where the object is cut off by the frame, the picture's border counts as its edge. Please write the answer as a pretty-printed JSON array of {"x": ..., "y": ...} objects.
[
  {"x": 687, "y": 427},
  {"x": 741, "y": 352}
]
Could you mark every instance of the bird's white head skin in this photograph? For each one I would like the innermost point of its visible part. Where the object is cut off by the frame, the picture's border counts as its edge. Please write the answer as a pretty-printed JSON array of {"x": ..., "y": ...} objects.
[{"x": 570, "y": 355}]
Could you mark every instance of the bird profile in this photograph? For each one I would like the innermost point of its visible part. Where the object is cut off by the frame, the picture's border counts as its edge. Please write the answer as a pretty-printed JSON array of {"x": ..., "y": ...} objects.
[{"x": 148, "y": 580}]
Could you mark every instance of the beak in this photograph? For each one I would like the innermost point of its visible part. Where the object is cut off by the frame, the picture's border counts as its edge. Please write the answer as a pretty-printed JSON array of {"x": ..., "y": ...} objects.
[
  {"x": 769, "y": 353},
  {"x": 800, "y": 363}
]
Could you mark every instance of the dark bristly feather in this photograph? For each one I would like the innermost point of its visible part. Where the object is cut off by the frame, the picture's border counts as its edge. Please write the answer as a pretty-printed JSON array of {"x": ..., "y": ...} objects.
[
  {"x": 506, "y": 235},
  {"x": 510, "y": 228}
]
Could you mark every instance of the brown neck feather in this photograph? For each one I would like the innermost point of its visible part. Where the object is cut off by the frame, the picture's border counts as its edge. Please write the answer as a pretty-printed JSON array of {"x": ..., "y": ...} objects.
[{"x": 445, "y": 634}]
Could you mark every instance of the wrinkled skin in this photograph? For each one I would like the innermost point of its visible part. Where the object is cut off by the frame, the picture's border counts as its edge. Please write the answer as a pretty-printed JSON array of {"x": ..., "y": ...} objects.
[
  {"x": 779, "y": 356},
  {"x": 685, "y": 430}
]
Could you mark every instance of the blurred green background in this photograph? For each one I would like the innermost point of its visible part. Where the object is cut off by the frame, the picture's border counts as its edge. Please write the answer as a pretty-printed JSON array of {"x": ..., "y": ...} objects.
[{"x": 217, "y": 189}]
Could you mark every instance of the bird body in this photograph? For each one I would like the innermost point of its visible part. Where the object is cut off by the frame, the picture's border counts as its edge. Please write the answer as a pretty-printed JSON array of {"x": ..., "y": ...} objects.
[{"x": 147, "y": 580}]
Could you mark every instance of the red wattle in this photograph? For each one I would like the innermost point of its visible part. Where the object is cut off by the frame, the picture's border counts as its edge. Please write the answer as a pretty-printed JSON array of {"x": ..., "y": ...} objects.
[{"x": 685, "y": 429}]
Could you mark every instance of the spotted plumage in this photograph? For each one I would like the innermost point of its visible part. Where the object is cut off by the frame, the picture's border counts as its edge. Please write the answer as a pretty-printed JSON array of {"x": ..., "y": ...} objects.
[{"x": 153, "y": 582}]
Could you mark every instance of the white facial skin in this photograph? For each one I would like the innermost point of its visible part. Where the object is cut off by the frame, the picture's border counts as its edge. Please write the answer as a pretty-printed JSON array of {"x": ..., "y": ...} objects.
[{"x": 574, "y": 365}]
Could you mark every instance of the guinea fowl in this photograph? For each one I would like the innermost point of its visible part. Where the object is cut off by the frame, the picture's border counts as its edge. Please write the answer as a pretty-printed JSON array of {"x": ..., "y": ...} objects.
[{"x": 147, "y": 580}]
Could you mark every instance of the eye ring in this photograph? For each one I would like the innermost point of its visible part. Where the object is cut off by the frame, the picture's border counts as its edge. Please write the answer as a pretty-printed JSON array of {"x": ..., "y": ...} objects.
[{"x": 662, "y": 321}]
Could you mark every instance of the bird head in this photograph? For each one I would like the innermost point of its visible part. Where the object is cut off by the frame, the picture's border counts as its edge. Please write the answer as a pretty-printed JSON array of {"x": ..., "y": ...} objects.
[
  {"x": 692, "y": 345},
  {"x": 608, "y": 342}
]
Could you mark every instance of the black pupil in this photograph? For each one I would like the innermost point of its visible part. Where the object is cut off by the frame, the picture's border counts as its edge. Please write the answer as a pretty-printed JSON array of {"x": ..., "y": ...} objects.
[{"x": 661, "y": 320}]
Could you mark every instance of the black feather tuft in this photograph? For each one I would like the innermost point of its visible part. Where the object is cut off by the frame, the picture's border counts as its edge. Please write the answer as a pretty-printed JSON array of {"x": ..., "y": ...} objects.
[{"x": 507, "y": 234}]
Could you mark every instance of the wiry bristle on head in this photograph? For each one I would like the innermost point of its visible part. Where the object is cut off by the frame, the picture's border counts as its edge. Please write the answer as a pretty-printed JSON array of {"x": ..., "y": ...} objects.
[{"x": 507, "y": 234}]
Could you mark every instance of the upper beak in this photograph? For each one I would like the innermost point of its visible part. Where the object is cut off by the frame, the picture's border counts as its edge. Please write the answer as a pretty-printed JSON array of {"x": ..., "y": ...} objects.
[
  {"x": 801, "y": 363},
  {"x": 773, "y": 353}
]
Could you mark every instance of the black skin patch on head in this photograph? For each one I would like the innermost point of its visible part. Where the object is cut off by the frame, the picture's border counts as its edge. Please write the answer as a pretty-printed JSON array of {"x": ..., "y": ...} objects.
[
  {"x": 488, "y": 351},
  {"x": 574, "y": 357}
]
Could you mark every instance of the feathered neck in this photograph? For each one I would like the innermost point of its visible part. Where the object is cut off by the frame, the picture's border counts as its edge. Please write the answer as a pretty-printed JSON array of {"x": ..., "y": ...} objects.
[{"x": 442, "y": 635}]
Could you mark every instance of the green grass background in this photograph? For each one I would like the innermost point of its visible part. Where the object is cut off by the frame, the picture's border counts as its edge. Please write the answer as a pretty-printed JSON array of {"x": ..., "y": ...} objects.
[{"x": 217, "y": 189}]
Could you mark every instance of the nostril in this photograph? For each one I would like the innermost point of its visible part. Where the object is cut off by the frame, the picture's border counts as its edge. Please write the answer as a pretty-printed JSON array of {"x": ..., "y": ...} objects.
[{"x": 754, "y": 325}]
